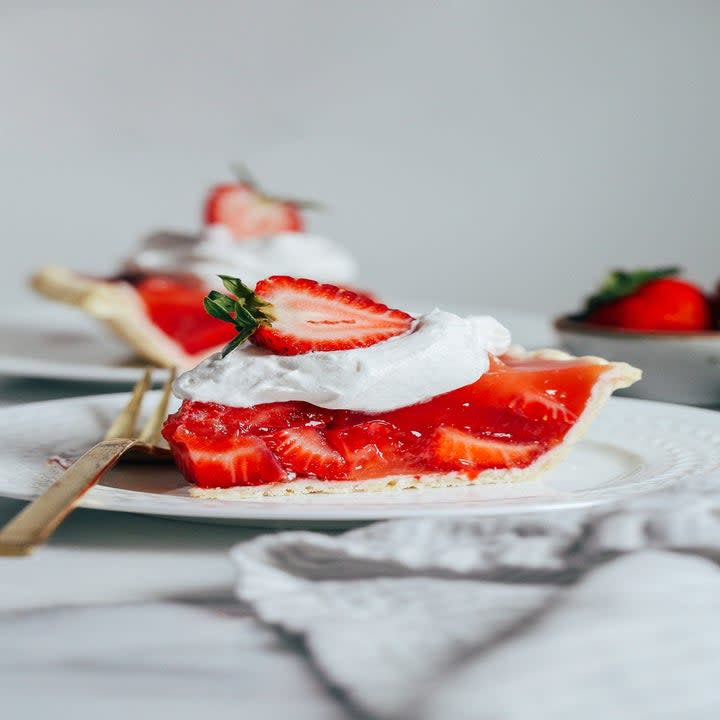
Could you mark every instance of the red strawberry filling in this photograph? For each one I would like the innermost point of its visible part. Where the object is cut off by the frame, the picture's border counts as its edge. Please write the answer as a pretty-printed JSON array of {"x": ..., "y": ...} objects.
[
  {"x": 512, "y": 415},
  {"x": 176, "y": 308}
]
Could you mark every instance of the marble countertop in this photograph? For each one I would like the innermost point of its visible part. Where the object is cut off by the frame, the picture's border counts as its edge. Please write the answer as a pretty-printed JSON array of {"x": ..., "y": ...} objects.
[
  {"x": 124, "y": 614},
  {"x": 121, "y": 613}
]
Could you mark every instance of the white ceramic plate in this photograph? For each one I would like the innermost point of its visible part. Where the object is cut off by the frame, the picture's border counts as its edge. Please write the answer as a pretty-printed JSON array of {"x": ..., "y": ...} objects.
[
  {"x": 635, "y": 446},
  {"x": 59, "y": 343},
  {"x": 54, "y": 342}
]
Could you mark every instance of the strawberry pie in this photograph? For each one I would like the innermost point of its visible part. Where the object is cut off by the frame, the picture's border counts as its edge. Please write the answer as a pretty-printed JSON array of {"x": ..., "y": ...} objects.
[
  {"x": 325, "y": 390},
  {"x": 154, "y": 303}
]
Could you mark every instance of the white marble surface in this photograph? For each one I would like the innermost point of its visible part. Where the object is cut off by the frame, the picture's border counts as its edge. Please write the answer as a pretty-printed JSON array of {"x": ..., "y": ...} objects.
[{"x": 122, "y": 614}]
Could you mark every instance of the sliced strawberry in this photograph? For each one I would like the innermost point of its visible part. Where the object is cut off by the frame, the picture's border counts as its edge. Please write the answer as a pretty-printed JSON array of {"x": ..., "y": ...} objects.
[
  {"x": 457, "y": 450},
  {"x": 538, "y": 405},
  {"x": 375, "y": 448},
  {"x": 209, "y": 418},
  {"x": 270, "y": 417},
  {"x": 305, "y": 451},
  {"x": 222, "y": 461},
  {"x": 291, "y": 316},
  {"x": 312, "y": 316},
  {"x": 248, "y": 213}
]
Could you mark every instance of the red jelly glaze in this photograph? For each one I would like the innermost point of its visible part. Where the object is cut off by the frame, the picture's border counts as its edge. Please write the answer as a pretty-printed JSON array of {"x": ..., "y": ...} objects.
[
  {"x": 176, "y": 307},
  {"x": 524, "y": 407}
]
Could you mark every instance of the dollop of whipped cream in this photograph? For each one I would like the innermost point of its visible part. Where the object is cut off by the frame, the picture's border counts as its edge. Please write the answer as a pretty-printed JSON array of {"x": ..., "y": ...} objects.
[
  {"x": 215, "y": 251},
  {"x": 441, "y": 353}
]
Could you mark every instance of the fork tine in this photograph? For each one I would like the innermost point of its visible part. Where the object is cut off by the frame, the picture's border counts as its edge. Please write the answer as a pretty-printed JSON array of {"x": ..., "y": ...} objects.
[
  {"x": 124, "y": 425},
  {"x": 151, "y": 431}
]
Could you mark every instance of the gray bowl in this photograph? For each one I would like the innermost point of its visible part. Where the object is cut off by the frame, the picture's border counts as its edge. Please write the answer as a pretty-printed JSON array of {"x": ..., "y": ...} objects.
[{"x": 679, "y": 367}]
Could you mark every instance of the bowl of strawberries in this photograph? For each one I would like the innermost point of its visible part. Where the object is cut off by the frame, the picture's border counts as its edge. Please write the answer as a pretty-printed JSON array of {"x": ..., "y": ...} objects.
[{"x": 658, "y": 321}]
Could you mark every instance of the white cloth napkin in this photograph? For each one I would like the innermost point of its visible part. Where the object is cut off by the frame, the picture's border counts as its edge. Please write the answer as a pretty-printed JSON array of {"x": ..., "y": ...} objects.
[{"x": 606, "y": 613}]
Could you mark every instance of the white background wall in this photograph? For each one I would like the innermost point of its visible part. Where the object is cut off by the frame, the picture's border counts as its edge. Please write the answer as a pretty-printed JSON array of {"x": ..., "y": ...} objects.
[{"x": 504, "y": 152}]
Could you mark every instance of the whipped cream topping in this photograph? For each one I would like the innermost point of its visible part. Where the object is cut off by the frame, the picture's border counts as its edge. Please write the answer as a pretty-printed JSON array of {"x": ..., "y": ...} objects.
[
  {"x": 441, "y": 353},
  {"x": 215, "y": 251}
]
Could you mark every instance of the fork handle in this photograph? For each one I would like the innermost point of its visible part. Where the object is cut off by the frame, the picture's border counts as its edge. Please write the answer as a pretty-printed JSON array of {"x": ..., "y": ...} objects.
[{"x": 34, "y": 524}]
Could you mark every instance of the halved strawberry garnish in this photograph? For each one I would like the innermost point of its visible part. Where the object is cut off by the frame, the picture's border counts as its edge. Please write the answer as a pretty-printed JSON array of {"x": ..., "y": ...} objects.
[
  {"x": 204, "y": 418},
  {"x": 291, "y": 316},
  {"x": 458, "y": 450},
  {"x": 312, "y": 316},
  {"x": 249, "y": 212},
  {"x": 306, "y": 452},
  {"x": 222, "y": 461}
]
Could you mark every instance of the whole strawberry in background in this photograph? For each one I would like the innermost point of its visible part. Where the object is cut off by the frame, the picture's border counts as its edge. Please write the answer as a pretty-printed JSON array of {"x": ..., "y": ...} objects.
[
  {"x": 248, "y": 211},
  {"x": 649, "y": 300}
]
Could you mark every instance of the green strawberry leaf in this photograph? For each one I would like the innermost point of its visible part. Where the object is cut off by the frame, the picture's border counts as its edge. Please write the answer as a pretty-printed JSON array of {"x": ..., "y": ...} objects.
[
  {"x": 236, "y": 287},
  {"x": 219, "y": 302},
  {"x": 621, "y": 283},
  {"x": 216, "y": 309},
  {"x": 245, "y": 177},
  {"x": 245, "y": 310}
]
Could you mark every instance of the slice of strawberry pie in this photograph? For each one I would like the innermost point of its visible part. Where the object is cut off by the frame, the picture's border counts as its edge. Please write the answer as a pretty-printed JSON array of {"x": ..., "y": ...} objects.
[
  {"x": 337, "y": 393},
  {"x": 155, "y": 302}
]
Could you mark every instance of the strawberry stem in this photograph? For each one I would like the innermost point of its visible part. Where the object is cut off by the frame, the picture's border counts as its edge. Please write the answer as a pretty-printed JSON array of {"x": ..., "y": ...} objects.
[
  {"x": 244, "y": 309},
  {"x": 244, "y": 176}
]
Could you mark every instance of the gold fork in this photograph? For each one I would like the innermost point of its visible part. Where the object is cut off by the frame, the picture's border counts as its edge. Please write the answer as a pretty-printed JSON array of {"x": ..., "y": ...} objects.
[{"x": 34, "y": 524}]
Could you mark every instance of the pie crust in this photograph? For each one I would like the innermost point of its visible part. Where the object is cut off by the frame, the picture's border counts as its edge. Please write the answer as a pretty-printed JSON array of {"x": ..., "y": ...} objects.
[{"x": 116, "y": 304}]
